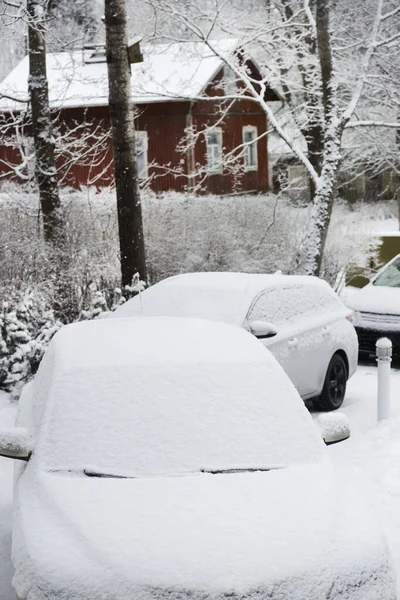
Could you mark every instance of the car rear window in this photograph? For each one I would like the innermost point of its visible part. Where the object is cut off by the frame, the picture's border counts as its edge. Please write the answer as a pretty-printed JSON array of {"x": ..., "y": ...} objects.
[{"x": 283, "y": 305}]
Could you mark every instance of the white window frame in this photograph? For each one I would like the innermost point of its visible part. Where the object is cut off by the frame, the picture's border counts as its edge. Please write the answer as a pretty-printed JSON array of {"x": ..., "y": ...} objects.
[
  {"x": 214, "y": 150},
  {"x": 248, "y": 146},
  {"x": 142, "y": 144}
]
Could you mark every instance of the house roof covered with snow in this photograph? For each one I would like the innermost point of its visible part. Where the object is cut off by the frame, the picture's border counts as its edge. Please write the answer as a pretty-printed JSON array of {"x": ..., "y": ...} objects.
[{"x": 172, "y": 71}]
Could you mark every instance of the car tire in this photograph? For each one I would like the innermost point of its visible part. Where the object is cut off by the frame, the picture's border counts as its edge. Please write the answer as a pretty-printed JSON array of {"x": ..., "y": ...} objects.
[{"x": 334, "y": 389}]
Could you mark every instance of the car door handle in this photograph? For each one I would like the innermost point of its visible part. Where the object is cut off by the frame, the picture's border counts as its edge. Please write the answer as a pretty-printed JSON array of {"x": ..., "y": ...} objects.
[{"x": 293, "y": 343}]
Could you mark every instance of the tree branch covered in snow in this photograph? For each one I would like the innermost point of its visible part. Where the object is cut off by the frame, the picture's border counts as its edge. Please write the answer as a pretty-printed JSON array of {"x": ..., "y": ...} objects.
[
  {"x": 81, "y": 142},
  {"x": 316, "y": 102}
]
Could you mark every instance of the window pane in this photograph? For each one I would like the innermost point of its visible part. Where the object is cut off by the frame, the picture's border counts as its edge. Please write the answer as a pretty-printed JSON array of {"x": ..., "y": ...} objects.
[
  {"x": 212, "y": 139},
  {"x": 250, "y": 151},
  {"x": 390, "y": 276},
  {"x": 251, "y": 156},
  {"x": 284, "y": 305},
  {"x": 214, "y": 150}
]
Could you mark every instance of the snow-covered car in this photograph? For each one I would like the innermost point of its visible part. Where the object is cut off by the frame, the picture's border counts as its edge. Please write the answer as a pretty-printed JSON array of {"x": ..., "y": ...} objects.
[
  {"x": 377, "y": 308},
  {"x": 173, "y": 459},
  {"x": 300, "y": 319}
]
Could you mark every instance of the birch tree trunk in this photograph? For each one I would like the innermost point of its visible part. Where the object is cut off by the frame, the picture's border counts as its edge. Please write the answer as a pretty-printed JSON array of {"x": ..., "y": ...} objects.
[
  {"x": 45, "y": 168},
  {"x": 309, "y": 256},
  {"x": 129, "y": 208}
]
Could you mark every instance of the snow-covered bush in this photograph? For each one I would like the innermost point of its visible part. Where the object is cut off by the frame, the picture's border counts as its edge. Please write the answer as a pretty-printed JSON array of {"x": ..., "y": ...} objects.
[
  {"x": 27, "y": 327},
  {"x": 25, "y": 331},
  {"x": 183, "y": 233},
  {"x": 101, "y": 302},
  {"x": 253, "y": 233}
]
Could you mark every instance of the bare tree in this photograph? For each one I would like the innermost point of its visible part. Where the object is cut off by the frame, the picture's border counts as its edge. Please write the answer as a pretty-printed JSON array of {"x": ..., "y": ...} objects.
[
  {"x": 41, "y": 18},
  {"x": 46, "y": 173},
  {"x": 123, "y": 137},
  {"x": 325, "y": 62}
]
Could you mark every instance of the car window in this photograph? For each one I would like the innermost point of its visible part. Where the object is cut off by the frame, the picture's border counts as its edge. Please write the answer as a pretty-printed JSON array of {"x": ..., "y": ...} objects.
[
  {"x": 284, "y": 305},
  {"x": 390, "y": 277},
  {"x": 217, "y": 303}
]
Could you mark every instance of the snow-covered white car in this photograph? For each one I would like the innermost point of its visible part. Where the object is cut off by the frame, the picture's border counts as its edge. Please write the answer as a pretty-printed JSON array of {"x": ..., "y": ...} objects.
[
  {"x": 174, "y": 459},
  {"x": 300, "y": 319},
  {"x": 377, "y": 308}
]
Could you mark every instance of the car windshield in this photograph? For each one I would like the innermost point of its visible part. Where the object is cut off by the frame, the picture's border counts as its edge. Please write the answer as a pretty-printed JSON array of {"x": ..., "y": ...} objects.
[
  {"x": 181, "y": 299},
  {"x": 390, "y": 277},
  {"x": 171, "y": 419}
]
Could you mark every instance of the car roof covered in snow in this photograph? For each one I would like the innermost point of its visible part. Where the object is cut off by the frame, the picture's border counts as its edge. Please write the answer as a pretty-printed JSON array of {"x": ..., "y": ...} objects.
[
  {"x": 220, "y": 296},
  {"x": 169, "y": 72},
  {"x": 165, "y": 395}
]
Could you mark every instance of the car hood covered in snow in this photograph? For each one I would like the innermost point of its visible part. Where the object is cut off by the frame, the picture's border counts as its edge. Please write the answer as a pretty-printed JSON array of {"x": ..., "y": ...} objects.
[
  {"x": 376, "y": 299},
  {"x": 298, "y": 533}
]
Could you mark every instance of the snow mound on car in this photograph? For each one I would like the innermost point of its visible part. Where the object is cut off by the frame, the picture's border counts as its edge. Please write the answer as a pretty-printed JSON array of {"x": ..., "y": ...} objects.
[{"x": 166, "y": 396}]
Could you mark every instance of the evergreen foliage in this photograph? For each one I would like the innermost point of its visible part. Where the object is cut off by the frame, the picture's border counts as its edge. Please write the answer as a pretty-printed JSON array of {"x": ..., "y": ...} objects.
[
  {"x": 25, "y": 331},
  {"x": 27, "y": 327}
]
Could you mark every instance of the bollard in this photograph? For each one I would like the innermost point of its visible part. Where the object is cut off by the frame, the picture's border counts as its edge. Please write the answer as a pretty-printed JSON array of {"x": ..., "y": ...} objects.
[{"x": 383, "y": 358}]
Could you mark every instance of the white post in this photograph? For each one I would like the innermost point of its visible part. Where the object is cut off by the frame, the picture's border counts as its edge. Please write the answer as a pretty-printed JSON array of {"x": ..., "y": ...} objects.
[{"x": 384, "y": 358}]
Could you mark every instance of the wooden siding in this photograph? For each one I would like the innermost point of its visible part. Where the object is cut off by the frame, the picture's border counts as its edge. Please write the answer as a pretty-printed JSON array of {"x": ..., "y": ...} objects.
[{"x": 165, "y": 124}]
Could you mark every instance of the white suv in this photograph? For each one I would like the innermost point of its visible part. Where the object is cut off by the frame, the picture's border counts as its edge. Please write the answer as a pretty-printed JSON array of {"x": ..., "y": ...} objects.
[
  {"x": 300, "y": 319},
  {"x": 377, "y": 309}
]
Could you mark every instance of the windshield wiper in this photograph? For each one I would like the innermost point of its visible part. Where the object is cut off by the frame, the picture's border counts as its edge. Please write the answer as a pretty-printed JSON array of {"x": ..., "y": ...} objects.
[
  {"x": 93, "y": 473},
  {"x": 243, "y": 470}
]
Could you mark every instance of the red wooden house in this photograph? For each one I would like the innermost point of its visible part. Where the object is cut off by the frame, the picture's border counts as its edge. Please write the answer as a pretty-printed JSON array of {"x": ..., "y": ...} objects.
[{"x": 180, "y": 92}]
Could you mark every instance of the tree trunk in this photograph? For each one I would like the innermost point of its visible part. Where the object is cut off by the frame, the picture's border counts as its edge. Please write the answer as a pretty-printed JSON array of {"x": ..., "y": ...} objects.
[
  {"x": 313, "y": 132},
  {"x": 45, "y": 169},
  {"x": 310, "y": 254},
  {"x": 315, "y": 151},
  {"x": 123, "y": 137}
]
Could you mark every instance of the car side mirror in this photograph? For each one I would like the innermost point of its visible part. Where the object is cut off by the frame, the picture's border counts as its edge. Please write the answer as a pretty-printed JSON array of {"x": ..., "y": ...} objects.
[
  {"x": 262, "y": 329},
  {"x": 334, "y": 427},
  {"x": 16, "y": 442}
]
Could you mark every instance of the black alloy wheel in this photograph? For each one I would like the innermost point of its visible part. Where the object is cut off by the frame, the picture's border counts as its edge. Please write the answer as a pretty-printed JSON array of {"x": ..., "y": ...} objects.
[{"x": 334, "y": 389}]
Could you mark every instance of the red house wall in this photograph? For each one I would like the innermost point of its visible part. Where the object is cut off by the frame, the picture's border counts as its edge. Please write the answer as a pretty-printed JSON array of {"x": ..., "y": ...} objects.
[
  {"x": 165, "y": 124},
  {"x": 87, "y": 162}
]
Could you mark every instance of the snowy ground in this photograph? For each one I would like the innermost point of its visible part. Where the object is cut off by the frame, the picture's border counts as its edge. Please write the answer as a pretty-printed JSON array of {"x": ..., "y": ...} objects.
[{"x": 372, "y": 454}]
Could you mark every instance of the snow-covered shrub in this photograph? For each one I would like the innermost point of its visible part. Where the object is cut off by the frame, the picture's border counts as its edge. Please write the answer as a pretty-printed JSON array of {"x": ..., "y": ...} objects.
[
  {"x": 101, "y": 302},
  {"x": 27, "y": 328},
  {"x": 258, "y": 234},
  {"x": 25, "y": 331},
  {"x": 183, "y": 233},
  {"x": 253, "y": 233}
]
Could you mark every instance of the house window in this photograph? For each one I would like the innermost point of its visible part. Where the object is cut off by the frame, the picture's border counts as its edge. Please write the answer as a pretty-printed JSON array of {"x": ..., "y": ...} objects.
[
  {"x": 214, "y": 150},
  {"x": 250, "y": 148},
  {"x": 297, "y": 178},
  {"x": 141, "y": 140}
]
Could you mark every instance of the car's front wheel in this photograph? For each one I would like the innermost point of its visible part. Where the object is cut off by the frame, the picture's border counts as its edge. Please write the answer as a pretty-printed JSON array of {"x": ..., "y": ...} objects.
[{"x": 334, "y": 389}]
